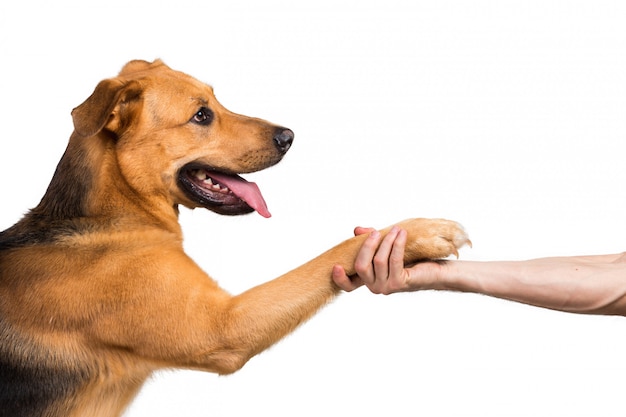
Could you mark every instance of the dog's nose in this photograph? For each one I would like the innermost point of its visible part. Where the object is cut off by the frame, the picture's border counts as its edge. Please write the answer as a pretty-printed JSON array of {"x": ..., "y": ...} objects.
[{"x": 283, "y": 138}]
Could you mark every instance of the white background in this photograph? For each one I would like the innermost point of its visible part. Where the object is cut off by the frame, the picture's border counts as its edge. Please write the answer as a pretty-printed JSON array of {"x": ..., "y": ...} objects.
[{"x": 508, "y": 116}]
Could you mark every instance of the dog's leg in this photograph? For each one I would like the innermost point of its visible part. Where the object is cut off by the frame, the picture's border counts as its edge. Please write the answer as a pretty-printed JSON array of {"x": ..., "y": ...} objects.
[
  {"x": 183, "y": 319},
  {"x": 262, "y": 315}
]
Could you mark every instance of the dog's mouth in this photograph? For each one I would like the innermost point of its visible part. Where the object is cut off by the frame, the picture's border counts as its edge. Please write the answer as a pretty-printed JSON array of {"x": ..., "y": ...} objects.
[{"x": 221, "y": 192}]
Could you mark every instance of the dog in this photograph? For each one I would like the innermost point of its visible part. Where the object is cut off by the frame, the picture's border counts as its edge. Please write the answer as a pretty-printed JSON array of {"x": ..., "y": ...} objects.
[{"x": 96, "y": 292}]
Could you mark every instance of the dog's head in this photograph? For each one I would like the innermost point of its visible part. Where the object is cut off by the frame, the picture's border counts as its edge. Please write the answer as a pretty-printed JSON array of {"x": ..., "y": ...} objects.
[{"x": 171, "y": 136}]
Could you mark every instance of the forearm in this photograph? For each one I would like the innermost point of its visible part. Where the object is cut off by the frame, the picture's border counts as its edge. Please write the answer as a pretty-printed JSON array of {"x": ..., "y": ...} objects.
[{"x": 590, "y": 284}]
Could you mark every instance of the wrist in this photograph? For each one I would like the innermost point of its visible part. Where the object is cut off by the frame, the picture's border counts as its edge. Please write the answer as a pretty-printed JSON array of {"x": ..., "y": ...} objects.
[
  {"x": 432, "y": 275},
  {"x": 450, "y": 276}
]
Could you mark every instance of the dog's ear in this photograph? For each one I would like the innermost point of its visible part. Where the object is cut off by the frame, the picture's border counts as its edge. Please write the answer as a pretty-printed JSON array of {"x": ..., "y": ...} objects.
[
  {"x": 105, "y": 107},
  {"x": 138, "y": 65}
]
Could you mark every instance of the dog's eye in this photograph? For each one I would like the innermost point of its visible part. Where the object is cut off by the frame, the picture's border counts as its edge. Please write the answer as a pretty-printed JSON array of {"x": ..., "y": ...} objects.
[{"x": 204, "y": 116}]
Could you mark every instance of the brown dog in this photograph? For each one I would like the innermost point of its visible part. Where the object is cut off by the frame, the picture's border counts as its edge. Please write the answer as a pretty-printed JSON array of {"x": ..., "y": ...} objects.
[{"x": 95, "y": 290}]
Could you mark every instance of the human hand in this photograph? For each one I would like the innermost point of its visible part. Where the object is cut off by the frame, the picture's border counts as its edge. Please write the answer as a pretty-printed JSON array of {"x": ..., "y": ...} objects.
[{"x": 380, "y": 266}]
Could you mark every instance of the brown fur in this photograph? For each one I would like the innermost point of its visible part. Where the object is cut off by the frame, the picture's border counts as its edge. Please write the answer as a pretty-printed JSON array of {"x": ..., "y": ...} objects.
[{"x": 96, "y": 291}]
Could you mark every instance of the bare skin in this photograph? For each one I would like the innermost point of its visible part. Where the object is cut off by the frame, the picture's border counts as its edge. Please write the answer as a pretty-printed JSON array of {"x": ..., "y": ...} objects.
[{"x": 577, "y": 284}]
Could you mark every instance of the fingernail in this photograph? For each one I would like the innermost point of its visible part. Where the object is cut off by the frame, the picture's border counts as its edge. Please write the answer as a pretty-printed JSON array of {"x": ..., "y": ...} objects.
[{"x": 375, "y": 234}]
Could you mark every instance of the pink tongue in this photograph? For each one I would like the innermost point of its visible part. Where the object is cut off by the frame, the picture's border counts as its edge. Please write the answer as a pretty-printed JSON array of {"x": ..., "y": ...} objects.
[{"x": 247, "y": 191}]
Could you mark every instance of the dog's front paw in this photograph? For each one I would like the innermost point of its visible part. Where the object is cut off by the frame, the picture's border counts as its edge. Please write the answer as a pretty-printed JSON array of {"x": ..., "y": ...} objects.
[{"x": 433, "y": 239}]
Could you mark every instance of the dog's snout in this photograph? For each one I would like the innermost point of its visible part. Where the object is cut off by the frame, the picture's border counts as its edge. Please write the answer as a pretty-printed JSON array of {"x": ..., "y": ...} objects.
[{"x": 283, "y": 138}]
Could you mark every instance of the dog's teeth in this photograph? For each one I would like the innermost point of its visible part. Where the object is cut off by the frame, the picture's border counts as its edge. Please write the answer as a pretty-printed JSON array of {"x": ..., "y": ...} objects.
[
  {"x": 200, "y": 174},
  {"x": 208, "y": 182}
]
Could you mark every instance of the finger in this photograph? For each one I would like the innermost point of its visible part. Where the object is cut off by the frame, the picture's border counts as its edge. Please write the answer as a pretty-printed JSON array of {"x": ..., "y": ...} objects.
[
  {"x": 363, "y": 262},
  {"x": 343, "y": 281},
  {"x": 396, "y": 259},
  {"x": 381, "y": 259},
  {"x": 362, "y": 230}
]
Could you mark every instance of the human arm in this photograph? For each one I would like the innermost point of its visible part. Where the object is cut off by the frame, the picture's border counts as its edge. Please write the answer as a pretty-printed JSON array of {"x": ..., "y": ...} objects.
[{"x": 578, "y": 284}]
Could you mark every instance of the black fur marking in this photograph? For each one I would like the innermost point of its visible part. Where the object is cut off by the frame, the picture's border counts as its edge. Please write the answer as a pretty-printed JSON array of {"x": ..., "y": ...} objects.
[
  {"x": 26, "y": 233},
  {"x": 29, "y": 388},
  {"x": 29, "y": 392},
  {"x": 60, "y": 211},
  {"x": 68, "y": 189}
]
